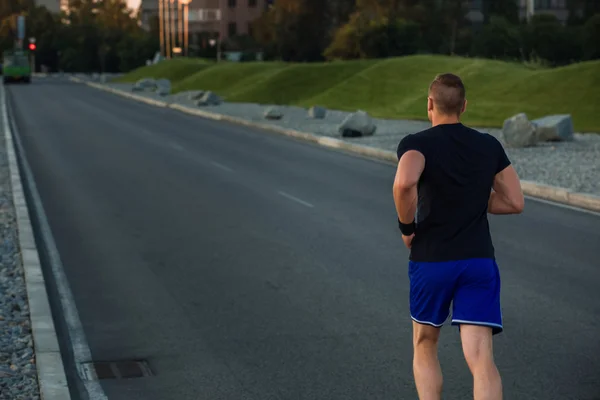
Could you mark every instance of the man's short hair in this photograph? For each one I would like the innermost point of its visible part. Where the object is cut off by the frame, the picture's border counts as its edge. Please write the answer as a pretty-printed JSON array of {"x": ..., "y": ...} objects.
[{"x": 448, "y": 94}]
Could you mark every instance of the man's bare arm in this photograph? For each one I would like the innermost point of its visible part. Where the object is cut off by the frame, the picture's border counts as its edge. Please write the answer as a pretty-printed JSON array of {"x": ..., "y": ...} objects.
[
  {"x": 410, "y": 168},
  {"x": 507, "y": 195}
]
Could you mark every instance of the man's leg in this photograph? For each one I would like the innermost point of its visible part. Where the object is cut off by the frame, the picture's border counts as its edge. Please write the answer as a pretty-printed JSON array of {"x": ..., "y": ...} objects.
[
  {"x": 477, "y": 311},
  {"x": 431, "y": 290},
  {"x": 426, "y": 366},
  {"x": 479, "y": 353}
]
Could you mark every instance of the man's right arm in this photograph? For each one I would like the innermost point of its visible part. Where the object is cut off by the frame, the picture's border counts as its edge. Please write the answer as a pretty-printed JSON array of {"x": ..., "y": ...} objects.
[{"x": 506, "y": 196}]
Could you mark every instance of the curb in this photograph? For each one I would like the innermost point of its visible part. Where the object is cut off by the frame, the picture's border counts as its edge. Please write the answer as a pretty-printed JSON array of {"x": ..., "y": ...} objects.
[
  {"x": 52, "y": 379},
  {"x": 530, "y": 188}
]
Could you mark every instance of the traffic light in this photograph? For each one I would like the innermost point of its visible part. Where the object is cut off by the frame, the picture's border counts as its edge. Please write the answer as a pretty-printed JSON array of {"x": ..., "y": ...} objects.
[{"x": 32, "y": 46}]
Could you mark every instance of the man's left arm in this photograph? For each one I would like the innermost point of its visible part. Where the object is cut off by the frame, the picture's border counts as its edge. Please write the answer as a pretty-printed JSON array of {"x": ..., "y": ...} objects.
[{"x": 410, "y": 168}]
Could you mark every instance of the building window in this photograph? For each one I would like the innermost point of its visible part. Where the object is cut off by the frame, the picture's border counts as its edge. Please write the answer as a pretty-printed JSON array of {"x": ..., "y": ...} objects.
[
  {"x": 232, "y": 29},
  {"x": 231, "y": 3},
  {"x": 251, "y": 3}
]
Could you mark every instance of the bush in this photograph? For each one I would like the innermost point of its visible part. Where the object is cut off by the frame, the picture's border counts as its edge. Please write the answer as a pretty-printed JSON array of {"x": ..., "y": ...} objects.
[
  {"x": 545, "y": 37},
  {"x": 360, "y": 38},
  {"x": 590, "y": 36},
  {"x": 399, "y": 38},
  {"x": 498, "y": 39}
]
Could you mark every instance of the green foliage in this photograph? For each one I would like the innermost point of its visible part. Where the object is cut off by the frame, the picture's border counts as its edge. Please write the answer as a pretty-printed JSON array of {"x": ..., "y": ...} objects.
[
  {"x": 373, "y": 38},
  {"x": 396, "y": 87},
  {"x": 99, "y": 35},
  {"x": 498, "y": 39},
  {"x": 591, "y": 38}
]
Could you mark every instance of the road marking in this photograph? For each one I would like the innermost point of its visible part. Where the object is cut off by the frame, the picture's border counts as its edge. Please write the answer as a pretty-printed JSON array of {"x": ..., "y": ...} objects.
[
  {"x": 176, "y": 146},
  {"x": 561, "y": 205},
  {"x": 223, "y": 167},
  {"x": 294, "y": 198},
  {"x": 77, "y": 339}
]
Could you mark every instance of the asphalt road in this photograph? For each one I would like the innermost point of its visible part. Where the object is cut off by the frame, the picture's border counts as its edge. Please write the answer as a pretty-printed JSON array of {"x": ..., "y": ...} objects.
[{"x": 245, "y": 265}]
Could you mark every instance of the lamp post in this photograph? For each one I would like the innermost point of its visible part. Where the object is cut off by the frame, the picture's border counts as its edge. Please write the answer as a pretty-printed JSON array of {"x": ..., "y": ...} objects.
[
  {"x": 161, "y": 26},
  {"x": 167, "y": 30},
  {"x": 173, "y": 24},
  {"x": 530, "y": 9},
  {"x": 185, "y": 21}
]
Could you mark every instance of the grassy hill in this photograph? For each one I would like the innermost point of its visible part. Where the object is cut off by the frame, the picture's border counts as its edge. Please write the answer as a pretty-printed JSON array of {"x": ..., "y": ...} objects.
[{"x": 397, "y": 87}]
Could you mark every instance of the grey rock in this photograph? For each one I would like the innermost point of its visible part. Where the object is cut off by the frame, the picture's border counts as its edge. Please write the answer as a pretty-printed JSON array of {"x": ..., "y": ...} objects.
[
  {"x": 196, "y": 95},
  {"x": 209, "y": 99},
  {"x": 6, "y": 372},
  {"x": 317, "y": 112},
  {"x": 163, "y": 87},
  {"x": 357, "y": 124},
  {"x": 273, "y": 112},
  {"x": 518, "y": 131},
  {"x": 554, "y": 128},
  {"x": 144, "y": 84}
]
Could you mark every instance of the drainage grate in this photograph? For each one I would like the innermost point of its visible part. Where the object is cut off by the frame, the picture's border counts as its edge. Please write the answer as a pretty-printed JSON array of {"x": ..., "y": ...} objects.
[{"x": 115, "y": 370}]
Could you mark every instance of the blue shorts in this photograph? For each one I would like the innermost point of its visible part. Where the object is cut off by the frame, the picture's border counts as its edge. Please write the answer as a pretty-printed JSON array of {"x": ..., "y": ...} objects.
[{"x": 472, "y": 286}]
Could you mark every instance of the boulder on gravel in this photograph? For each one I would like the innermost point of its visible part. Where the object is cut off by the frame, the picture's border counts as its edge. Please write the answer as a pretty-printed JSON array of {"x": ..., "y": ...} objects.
[
  {"x": 554, "y": 128},
  {"x": 518, "y": 131},
  {"x": 144, "y": 84},
  {"x": 273, "y": 112},
  {"x": 209, "y": 99},
  {"x": 317, "y": 112},
  {"x": 163, "y": 87},
  {"x": 357, "y": 124},
  {"x": 196, "y": 95}
]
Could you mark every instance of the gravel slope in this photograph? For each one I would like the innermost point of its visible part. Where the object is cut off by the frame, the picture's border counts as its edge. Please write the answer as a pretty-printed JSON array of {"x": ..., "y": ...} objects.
[
  {"x": 18, "y": 375},
  {"x": 573, "y": 165}
]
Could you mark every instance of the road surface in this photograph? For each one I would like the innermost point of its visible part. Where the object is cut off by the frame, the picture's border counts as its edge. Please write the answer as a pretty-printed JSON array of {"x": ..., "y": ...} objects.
[{"x": 246, "y": 265}]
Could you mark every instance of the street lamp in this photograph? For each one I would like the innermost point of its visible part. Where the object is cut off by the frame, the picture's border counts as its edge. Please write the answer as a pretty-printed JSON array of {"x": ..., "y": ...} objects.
[
  {"x": 167, "y": 30},
  {"x": 161, "y": 27},
  {"x": 173, "y": 24},
  {"x": 185, "y": 20}
]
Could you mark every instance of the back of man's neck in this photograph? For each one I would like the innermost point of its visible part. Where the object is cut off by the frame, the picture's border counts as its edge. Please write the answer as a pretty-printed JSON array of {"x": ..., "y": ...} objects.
[{"x": 445, "y": 121}]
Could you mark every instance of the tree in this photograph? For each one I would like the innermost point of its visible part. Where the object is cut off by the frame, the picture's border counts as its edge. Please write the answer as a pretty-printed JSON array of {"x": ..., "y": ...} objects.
[
  {"x": 498, "y": 39},
  {"x": 591, "y": 38},
  {"x": 507, "y": 9}
]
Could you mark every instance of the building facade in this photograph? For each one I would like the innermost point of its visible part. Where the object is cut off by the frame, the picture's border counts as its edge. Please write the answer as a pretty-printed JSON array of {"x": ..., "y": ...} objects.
[
  {"x": 557, "y": 8},
  {"x": 52, "y": 5},
  {"x": 225, "y": 17}
]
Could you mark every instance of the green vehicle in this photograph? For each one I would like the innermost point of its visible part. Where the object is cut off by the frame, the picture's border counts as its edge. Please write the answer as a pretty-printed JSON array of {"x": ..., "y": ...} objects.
[{"x": 16, "y": 66}]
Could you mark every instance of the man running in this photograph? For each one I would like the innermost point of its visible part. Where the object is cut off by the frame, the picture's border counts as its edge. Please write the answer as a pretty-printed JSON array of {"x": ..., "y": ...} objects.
[{"x": 449, "y": 177}]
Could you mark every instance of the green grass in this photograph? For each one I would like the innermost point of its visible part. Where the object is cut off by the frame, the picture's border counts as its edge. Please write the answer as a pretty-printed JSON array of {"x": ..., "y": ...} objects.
[
  {"x": 174, "y": 70},
  {"x": 397, "y": 87}
]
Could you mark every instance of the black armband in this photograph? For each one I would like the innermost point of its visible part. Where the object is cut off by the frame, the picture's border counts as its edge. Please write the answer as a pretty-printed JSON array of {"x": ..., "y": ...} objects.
[{"x": 407, "y": 229}]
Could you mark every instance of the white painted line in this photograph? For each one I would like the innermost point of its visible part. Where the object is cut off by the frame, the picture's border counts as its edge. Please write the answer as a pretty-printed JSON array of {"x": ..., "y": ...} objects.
[
  {"x": 80, "y": 349},
  {"x": 294, "y": 198},
  {"x": 176, "y": 146},
  {"x": 52, "y": 380},
  {"x": 223, "y": 167},
  {"x": 365, "y": 152},
  {"x": 561, "y": 205}
]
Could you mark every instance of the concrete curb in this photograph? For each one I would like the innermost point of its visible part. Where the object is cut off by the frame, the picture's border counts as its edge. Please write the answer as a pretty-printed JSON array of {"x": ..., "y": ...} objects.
[
  {"x": 52, "y": 379},
  {"x": 533, "y": 189}
]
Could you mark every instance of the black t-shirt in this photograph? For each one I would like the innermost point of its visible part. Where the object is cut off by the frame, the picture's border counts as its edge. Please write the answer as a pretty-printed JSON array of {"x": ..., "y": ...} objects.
[{"x": 454, "y": 190}]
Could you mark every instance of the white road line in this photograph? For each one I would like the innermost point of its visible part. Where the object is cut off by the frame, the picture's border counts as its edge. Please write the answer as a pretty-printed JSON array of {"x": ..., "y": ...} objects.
[
  {"x": 79, "y": 345},
  {"x": 223, "y": 167},
  {"x": 176, "y": 146},
  {"x": 552, "y": 203},
  {"x": 294, "y": 198}
]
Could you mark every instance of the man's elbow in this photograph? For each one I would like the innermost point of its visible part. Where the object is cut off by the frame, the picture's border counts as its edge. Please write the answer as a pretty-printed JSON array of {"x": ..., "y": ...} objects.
[
  {"x": 519, "y": 204},
  {"x": 404, "y": 185}
]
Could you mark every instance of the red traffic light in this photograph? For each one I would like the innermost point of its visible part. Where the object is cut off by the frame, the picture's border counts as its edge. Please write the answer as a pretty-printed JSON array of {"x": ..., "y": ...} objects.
[{"x": 32, "y": 46}]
